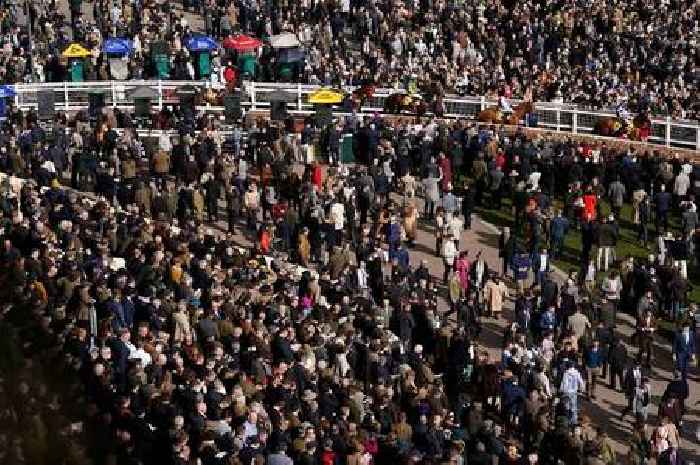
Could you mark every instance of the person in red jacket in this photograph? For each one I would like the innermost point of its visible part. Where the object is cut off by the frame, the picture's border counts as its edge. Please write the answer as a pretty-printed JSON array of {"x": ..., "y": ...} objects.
[
  {"x": 446, "y": 171},
  {"x": 589, "y": 204},
  {"x": 230, "y": 75},
  {"x": 264, "y": 239},
  {"x": 317, "y": 176},
  {"x": 328, "y": 456}
]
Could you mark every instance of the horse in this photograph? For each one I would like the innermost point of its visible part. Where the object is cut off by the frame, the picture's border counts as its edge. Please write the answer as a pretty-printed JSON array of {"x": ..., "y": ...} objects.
[
  {"x": 494, "y": 115},
  {"x": 612, "y": 126},
  {"x": 641, "y": 129},
  {"x": 361, "y": 94},
  {"x": 400, "y": 102},
  {"x": 208, "y": 96}
]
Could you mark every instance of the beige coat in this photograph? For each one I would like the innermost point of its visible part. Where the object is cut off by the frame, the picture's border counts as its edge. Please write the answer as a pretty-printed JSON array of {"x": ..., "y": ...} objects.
[
  {"x": 143, "y": 199},
  {"x": 181, "y": 326},
  {"x": 495, "y": 295},
  {"x": 161, "y": 162},
  {"x": 410, "y": 222},
  {"x": 337, "y": 263},
  {"x": 304, "y": 249},
  {"x": 198, "y": 203},
  {"x": 128, "y": 168}
]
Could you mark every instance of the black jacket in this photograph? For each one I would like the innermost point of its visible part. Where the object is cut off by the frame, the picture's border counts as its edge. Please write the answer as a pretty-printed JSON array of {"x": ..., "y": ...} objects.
[{"x": 617, "y": 356}]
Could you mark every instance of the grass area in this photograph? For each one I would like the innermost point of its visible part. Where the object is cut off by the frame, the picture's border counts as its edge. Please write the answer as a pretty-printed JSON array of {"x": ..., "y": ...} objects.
[{"x": 627, "y": 244}]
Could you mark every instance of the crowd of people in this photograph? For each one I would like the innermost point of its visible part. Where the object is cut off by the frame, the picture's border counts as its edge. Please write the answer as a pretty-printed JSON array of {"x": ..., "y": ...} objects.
[
  {"x": 640, "y": 54},
  {"x": 324, "y": 342}
]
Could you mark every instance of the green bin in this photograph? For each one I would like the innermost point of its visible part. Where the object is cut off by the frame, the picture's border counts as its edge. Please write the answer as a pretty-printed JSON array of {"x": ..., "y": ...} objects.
[
  {"x": 204, "y": 65},
  {"x": 347, "y": 153},
  {"x": 77, "y": 71},
  {"x": 285, "y": 71},
  {"x": 246, "y": 64},
  {"x": 162, "y": 64}
]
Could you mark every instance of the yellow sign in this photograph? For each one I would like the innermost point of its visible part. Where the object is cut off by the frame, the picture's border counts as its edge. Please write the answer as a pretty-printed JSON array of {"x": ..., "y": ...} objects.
[
  {"x": 326, "y": 96},
  {"x": 76, "y": 51}
]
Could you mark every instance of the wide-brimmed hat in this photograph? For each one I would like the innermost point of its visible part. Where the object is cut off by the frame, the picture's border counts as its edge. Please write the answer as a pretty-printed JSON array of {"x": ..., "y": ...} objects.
[{"x": 308, "y": 395}]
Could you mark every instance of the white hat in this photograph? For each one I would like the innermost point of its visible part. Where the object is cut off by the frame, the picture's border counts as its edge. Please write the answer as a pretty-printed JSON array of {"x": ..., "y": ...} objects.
[{"x": 418, "y": 349}]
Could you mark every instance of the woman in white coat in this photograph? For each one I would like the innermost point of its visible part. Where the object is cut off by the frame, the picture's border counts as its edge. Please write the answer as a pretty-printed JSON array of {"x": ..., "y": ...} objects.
[{"x": 449, "y": 253}]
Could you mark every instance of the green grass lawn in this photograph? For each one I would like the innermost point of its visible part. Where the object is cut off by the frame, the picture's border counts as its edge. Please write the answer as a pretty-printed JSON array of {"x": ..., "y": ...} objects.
[{"x": 627, "y": 245}]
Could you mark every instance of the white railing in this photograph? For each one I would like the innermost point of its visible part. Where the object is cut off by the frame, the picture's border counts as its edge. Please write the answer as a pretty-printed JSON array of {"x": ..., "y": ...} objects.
[{"x": 73, "y": 96}]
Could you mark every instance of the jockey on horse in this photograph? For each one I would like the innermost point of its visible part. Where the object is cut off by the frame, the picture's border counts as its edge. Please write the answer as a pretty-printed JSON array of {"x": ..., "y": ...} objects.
[
  {"x": 504, "y": 106},
  {"x": 625, "y": 117}
]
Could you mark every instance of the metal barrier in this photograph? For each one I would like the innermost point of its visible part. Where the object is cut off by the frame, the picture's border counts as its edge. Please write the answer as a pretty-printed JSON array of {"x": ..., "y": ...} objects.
[{"x": 73, "y": 96}]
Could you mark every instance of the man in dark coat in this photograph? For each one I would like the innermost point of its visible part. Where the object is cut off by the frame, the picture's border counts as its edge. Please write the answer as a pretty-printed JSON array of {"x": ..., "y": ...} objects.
[
  {"x": 207, "y": 328},
  {"x": 214, "y": 187},
  {"x": 617, "y": 358},
  {"x": 683, "y": 350},
  {"x": 120, "y": 356},
  {"x": 281, "y": 348},
  {"x": 662, "y": 200}
]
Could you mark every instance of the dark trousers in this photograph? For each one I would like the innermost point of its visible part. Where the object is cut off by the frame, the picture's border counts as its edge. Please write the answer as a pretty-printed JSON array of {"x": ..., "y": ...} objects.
[
  {"x": 252, "y": 217},
  {"x": 643, "y": 232},
  {"x": 629, "y": 408},
  {"x": 661, "y": 219},
  {"x": 682, "y": 363},
  {"x": 448, "y": 268},
  {"x": 616, "y": 374},
  {"x": 467, "y": 218},
  {"x": 646, "y": 347},
  {"x": 557, "y": 246},
  {"x": 213, "y": 209},
  {"x": 592, "y": 375},
  {"x": 232, "y": 217}
]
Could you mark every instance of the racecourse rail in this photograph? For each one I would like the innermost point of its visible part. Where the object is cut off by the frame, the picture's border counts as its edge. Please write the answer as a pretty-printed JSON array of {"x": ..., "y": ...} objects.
[{"x": 565, "y": 118}]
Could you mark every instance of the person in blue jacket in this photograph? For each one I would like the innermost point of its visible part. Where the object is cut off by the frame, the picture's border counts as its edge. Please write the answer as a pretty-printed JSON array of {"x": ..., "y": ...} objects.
[
  {"x": 683, "y": 350},
  {"x": 514, "y": 397},
  {"x": 548, "y": 320},
  {"x": 594, "y": 358},
  {"x": 557, "y": 231},
  {"x": 521, "y": 269}
]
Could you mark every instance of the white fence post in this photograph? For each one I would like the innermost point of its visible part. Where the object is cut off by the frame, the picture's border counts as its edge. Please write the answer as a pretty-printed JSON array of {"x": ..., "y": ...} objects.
[
  {"x": 697, "y": 139},
  {"x": 574, "y": 122},
  {"x": 65, "y": 95},
  {"x": 252, "y": 95},
  {"x": 114, "y": 94},
  {"x": 299, "y": 97},
  {"x": 160, "y": 95},
  {"x": 482, "y": 102},
  {"x": 558, "y": 120},
  {"x": 668, "y": 132}
]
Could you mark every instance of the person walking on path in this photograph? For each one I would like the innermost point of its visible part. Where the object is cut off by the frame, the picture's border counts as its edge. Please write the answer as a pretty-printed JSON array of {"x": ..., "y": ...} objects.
[
  {"x": 683, "y": 350},
  {"x": 571, "y": 384}
]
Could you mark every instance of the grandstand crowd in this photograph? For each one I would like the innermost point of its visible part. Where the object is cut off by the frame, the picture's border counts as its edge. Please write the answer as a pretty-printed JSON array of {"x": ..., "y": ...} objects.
[{"x": 600, "y": 55}]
